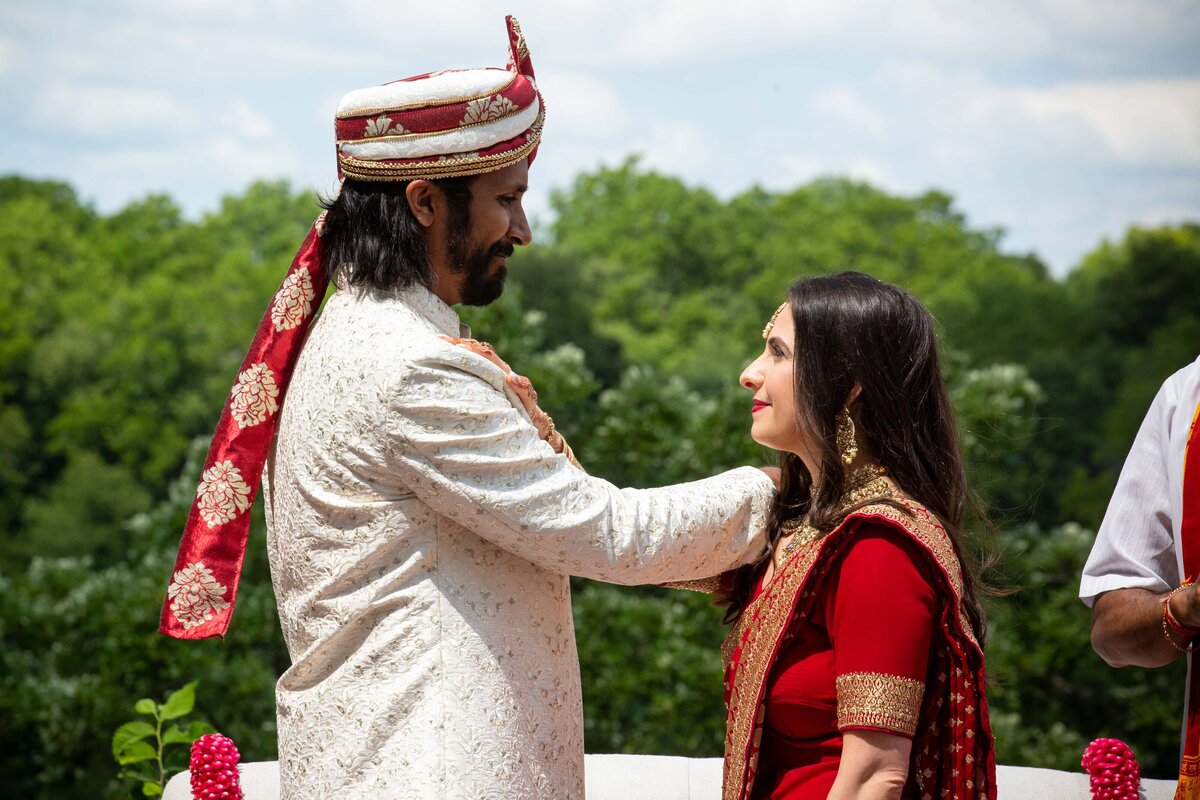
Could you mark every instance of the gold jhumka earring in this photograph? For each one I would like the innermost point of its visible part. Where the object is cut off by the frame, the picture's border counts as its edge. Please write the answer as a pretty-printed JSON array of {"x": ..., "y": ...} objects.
[{"x": 847, "y": 444}]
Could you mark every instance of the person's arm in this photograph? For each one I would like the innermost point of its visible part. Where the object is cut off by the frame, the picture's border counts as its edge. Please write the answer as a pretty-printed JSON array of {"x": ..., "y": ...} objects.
[
  {"x": 455, "y": 441},
  {"x": 874, "y": 766},
  {"x": 1128, "y": 630},
  {"x": 1133, "y": 563},
  {"x": 522, "y": 387},
  {"x": 880, "y": 614}
]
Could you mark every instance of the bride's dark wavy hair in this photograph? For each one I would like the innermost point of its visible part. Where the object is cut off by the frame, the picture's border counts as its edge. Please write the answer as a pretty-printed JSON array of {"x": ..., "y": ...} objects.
[{"x": 853, "y": 329}]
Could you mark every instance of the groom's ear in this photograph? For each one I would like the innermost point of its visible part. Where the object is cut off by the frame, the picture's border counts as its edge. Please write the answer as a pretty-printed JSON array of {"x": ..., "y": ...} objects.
[{"x": 422, "y": 202}]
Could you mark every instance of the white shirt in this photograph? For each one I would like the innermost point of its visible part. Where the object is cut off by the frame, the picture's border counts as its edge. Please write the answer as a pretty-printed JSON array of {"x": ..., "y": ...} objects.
[
  {"x": 1137, "y": 545},
  {"x": 421, "y": 535}
]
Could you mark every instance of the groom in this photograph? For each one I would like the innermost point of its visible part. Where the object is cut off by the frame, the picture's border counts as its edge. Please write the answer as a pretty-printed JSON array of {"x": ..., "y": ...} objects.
[{"x": 421, "y": 528}]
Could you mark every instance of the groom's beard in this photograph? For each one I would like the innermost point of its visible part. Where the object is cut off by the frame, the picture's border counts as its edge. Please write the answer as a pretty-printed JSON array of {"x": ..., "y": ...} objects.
[{"x": 481, "y": 284}]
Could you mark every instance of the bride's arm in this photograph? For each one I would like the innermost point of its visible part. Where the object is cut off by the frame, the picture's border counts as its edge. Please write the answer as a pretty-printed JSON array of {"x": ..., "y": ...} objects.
[{"x": 874, "y": 766}]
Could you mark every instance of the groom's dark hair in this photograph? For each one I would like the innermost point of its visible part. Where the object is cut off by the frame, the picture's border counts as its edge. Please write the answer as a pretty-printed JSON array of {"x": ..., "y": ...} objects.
[{"x": 373, "y": 241}]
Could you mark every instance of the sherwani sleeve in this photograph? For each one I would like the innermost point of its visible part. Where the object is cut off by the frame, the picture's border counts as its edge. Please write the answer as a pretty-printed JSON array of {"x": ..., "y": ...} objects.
[
  {"x": 460, "y": 445},
  {"x": 880, "y": 608}
]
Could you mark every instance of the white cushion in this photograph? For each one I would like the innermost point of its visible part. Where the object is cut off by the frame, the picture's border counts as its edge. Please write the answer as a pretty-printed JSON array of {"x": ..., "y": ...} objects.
[{"x": 639, "y": 777}]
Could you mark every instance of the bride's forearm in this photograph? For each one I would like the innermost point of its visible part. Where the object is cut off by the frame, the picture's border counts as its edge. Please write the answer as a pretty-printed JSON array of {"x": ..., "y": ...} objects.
[{"x": 874, "y": 766}]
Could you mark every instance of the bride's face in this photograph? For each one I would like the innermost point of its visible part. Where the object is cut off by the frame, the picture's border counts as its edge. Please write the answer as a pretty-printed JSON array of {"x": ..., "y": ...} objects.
[{"x": 770, "y": 377}]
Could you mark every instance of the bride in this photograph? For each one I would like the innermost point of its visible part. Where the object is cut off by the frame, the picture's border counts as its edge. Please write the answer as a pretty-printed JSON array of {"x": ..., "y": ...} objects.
[{"x": 854, "y": 667}]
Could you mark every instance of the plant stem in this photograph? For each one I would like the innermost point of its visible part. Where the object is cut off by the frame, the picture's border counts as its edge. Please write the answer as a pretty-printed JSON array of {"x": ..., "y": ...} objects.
[{"x": 162, "y": 774}]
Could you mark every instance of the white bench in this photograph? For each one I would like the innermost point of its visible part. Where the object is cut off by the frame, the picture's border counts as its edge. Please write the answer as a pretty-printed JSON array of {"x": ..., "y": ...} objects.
[{"x": 639, "y": 777}]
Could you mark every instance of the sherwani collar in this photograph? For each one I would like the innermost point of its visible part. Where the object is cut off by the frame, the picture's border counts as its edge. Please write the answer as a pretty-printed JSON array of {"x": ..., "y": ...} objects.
[{"x": 434, "y": 309}]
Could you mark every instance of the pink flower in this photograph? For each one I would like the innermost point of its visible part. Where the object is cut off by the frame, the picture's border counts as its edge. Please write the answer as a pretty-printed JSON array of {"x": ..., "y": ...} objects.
[
  {"x": 214, "y": 768},
  {"x": 1113, "y": 769}
]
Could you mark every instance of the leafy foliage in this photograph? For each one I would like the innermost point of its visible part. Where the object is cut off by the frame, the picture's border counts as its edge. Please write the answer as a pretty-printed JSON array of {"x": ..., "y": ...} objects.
[
  {"x": 132, "y": 746},
  {"x": 121, "y": 335}
]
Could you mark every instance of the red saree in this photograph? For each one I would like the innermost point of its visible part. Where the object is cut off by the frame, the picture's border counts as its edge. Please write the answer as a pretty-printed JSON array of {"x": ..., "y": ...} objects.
[{"x": 953, "y": 752}]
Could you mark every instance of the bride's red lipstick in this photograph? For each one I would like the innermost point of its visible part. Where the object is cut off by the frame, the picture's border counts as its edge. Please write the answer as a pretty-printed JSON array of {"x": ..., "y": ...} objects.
[{"x": 759, "y": 405}]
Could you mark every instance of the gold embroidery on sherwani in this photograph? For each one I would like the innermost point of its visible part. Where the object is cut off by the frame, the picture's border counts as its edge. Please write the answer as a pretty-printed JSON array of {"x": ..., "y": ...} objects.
[
  {"x": 878, "y": 700},
  {"x": 766, "y": 620}
]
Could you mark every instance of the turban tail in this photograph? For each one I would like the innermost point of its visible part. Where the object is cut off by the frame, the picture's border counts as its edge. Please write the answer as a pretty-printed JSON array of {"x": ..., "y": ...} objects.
[{"x": 201, "y": 594}]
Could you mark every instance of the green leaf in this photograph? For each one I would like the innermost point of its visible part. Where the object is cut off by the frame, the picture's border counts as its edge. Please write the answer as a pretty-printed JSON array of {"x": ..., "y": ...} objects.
[
  {"x": 135, "y": 752},
  {"x": 180, "y": 702},
  {"x": 132, "y": 775},
  {"x": 176, "y": 735},
  {"x": 198, "y": 728},
  {"x": 145, "y": 706},
  {"x": 151, "y": 789},
  {"x": 129, "y": 733}
]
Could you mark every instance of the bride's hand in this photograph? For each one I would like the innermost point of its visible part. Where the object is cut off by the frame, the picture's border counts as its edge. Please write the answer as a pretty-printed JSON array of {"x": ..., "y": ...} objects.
[{"x": 520, "y": 385}]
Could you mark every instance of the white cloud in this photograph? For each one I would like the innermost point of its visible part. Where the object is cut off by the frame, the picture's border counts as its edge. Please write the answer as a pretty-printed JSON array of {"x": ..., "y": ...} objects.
[
  {"x": 581, "y": 106},
  {"x": 691, "y": 32},
  {"x": 242, "y": 120},
  {"x": 796, "y": 169},
  {"x": 105, "y": 111},
  {"x": 238, "y": 159},
  {"x": 843, "y": 106},
  {"x": 1151, "y": 123},
  {"x": 680, "y": 148},
  {"x": 10, "y": 52}
]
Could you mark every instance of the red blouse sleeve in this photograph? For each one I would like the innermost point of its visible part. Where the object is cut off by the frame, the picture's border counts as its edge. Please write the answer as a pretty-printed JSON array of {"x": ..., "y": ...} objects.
[{"x": 880, "y": 612}]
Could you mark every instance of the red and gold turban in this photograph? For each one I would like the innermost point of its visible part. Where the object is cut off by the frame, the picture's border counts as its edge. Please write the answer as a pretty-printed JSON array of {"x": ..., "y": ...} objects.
[
  {"x": 440, "y": 125},
  {"x": 444, "y": 124}
]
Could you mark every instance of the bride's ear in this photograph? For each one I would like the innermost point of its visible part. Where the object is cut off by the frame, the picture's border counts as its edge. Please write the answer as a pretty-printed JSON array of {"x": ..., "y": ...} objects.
[{"x": 855, "y": 391}]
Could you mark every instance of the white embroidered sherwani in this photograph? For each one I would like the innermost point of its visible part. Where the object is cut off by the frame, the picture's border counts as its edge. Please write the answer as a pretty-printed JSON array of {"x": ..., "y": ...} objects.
[{"x": 420, "y": 536}]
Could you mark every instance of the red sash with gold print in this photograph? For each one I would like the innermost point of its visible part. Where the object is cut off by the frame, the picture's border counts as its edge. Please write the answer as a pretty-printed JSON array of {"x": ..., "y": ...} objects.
[
  {"x": 953, "y": 751},
  {"x": 1189, "y": 539}
]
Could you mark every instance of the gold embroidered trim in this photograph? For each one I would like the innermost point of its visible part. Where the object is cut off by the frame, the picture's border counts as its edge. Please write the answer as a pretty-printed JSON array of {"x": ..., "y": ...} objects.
[
  {"x": 878, "y": 700},
  {"x": 363, "y": 112},
  {"x": 522, "y": 50},
  {"x": 768, "y": 616},
  {"x": 450, "y": 168},
  {"x": 703, "y": 585},
  {"x": 764, "y": 619}
]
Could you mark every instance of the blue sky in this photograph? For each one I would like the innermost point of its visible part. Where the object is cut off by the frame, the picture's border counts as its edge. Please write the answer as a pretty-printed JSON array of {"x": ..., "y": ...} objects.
[{"x": 1062, "y": 121}]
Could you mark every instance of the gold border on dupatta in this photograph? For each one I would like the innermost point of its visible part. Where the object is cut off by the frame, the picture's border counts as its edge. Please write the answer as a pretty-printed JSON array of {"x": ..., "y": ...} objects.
[{"x": 767, "y": 618}]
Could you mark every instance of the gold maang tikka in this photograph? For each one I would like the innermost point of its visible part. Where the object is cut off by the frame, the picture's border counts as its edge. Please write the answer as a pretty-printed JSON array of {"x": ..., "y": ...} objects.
[{"x": 775, "y": 316}]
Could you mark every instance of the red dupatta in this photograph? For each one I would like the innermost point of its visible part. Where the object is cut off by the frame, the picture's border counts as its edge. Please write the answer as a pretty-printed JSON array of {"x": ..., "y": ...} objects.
[
  {"x": 953, "y": 749},
  {"x": 1189, "y": 539}
]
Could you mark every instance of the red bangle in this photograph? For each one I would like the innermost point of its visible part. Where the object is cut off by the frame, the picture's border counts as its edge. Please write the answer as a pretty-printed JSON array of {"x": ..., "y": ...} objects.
[{"x": 1175, "y": 624}]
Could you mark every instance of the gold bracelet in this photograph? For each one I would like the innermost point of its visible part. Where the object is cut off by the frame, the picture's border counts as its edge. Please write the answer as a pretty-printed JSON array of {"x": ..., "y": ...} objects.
[
  {"x": 550, "y": 431},
  {"x": 1166, "y": 627}
]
